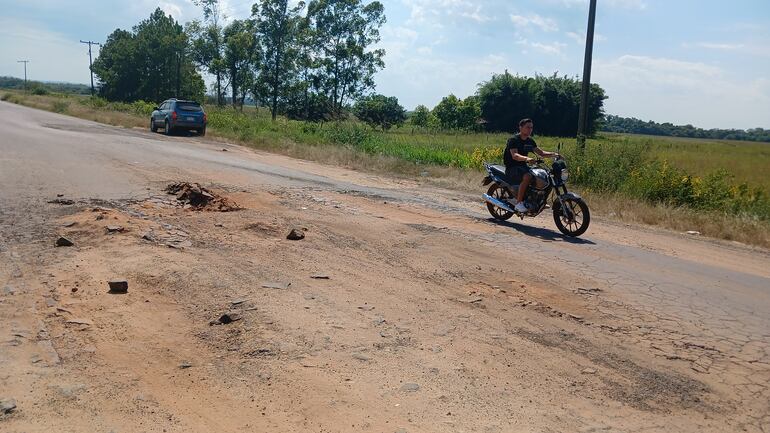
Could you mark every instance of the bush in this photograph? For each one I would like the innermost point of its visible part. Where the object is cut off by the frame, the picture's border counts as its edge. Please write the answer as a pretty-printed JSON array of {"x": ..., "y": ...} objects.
[
  {"x": 61, "y": 106},
  {"x": 39, "y": 89},
  {"x": 380, "y": 111}
]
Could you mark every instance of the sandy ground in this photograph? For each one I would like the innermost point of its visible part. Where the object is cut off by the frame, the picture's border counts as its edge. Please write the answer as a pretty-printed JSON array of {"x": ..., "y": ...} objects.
[{"x": 403, "y": 309}]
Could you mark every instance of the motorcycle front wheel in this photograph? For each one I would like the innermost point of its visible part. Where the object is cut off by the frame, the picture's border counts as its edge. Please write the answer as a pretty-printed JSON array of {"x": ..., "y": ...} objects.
[
  {"x": 573, "y": 219},
  {"x": 501, "y": 194}
]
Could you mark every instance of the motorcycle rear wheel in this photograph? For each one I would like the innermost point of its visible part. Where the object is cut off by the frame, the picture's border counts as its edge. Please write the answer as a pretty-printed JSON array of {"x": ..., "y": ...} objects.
[
  {"x": 576, "y": 224},
  {"x": 501, "y": 194}
]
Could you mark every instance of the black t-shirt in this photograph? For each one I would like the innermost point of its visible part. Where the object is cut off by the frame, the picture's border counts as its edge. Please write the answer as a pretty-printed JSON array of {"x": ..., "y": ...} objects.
[{"x": 522, "y": 147}]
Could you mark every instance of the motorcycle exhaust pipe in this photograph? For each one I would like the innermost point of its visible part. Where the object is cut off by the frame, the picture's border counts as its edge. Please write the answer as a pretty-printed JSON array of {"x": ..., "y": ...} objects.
[{"x": 489, "y": 199}]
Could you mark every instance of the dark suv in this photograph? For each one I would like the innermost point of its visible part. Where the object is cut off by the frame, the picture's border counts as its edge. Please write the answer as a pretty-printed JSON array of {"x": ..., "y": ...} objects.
[{"x": 176, "y": 114}]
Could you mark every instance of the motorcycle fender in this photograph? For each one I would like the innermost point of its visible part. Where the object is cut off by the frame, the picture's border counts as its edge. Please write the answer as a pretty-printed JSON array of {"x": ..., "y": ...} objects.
[
  {"x": 572, "y": 195},
  {"x": 486, "y": 181}
]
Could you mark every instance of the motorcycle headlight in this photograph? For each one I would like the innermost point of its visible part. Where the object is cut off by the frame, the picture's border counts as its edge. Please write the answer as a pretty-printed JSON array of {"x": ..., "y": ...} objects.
[{"x": 564, "y": 175}]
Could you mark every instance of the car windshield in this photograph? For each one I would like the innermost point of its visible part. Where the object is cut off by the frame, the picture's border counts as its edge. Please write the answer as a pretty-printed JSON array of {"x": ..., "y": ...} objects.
[{"x": 189, "y": 106}]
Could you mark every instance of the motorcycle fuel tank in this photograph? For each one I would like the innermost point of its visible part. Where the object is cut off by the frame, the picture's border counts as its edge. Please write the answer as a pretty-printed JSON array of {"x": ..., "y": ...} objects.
[{"x": 539, "y": 178}]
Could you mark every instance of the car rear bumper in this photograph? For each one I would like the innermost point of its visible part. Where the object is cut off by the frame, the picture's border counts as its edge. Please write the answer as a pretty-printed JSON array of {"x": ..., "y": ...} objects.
[{"x": 186, "y": 124}]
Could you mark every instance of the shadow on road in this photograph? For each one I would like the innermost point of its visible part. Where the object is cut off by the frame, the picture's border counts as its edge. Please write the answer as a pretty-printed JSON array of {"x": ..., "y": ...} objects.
[{"x": 541, "y": 233}]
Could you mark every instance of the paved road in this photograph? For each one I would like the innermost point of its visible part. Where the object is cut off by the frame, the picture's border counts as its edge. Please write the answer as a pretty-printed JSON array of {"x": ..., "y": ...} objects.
[{"x": 703, "y": 302}]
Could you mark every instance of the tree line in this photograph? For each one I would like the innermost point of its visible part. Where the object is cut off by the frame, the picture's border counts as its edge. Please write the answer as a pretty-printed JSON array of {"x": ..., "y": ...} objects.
[
  {"x": 42, "y": 88},
  {"x": 307, "y": 62},
  {"x": 635, "y": 126},
  {"x": 315, "y": 61}
]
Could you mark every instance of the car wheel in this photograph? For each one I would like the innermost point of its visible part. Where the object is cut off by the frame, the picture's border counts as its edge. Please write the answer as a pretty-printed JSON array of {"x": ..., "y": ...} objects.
[
  {"x": 202, "y": 131},
  {"x": 167, "y": 128},
  {"x": 153, "y": 128}
]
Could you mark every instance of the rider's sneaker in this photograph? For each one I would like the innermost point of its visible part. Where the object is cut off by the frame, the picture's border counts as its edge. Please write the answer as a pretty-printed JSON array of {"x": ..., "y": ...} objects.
[{"x": 520, "y": 207}]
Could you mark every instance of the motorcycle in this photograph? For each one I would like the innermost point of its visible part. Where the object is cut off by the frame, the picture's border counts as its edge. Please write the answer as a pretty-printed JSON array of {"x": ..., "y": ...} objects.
[{"x": 570, "y": 211}]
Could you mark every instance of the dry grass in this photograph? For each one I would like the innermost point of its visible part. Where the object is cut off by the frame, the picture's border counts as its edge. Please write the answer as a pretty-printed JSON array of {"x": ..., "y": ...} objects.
[
  {"x": 751, "y": 231},
  {"x": 609, "y": 205}
]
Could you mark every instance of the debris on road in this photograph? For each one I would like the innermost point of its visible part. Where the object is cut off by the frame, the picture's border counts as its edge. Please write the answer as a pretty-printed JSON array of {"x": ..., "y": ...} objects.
[
  {"x": 295, "y": 235},
  {"x": 226, "y": 318},
  {"x": 692, "y": 232},
  {"x": 115, "y": 229},
  {"x": 185, "y": 364},
  {"x": 200, "y": 198},
  {"x": 118, "y": 286},
  {"x": 62, "y": 201},
  {"x": 64, "y": 242},
  {"x": 275, "y": 285},
  {"x": 7, "y": 405},
  {"x": 320, "y": 276}
]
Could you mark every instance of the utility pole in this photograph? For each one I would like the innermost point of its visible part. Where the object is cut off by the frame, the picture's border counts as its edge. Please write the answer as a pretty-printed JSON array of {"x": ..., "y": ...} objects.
[
  {"x": 90, "y": 62},
  {"x": 25, "y": 72},
  {"x": 582, "y": 121}
]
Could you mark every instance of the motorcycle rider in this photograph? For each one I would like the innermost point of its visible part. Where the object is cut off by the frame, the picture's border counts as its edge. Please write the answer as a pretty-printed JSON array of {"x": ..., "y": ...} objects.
[{"x": 516, "y": 159}]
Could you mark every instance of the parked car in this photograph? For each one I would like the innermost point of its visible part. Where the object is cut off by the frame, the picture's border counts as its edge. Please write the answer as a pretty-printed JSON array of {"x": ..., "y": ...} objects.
[{"x": 176, "y": 114}]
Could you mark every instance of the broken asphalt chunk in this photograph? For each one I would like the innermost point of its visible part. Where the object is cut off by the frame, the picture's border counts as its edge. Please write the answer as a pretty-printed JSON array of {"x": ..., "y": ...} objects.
[
  {"x": 7, "y": 405},
  {"x": 118, "y": 286},
  {"x": 63, "y": 242},
  {"x": 226, "y": 318},
  {"x": 275, "y": 285},
  {"x": 295, "y": 235},
  {"x": 62, "y": 201}
]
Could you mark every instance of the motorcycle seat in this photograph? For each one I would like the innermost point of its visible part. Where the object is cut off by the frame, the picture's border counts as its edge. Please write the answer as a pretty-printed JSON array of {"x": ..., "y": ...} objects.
[{"x": 499, "y": 170}]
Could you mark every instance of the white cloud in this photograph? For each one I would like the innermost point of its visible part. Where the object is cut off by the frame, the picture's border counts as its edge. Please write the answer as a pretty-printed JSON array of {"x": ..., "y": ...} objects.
[
  {"x": 545, "y": 24},
  {"x": 555, "y": 48},
  {"x": 438, "y": 12},
  {"x": 670, "y": 90},
  {"x": 580, "y": 38},
  {"x": 172, "y": 9},
  {"x": 726, "y": 47},
  {"x": 628, "y": 4}
]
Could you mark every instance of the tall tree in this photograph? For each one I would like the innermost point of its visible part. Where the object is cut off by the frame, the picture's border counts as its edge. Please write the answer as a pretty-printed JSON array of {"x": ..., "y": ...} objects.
[
  {"x": 241, "y": 57},
  {"x": 343, "y": 31},
  {"x": 151, "y": 63},
  {"x": 278, "y": 27},
  {"x": 208, "y": 43},
  {"x": 115, "y": 67}
]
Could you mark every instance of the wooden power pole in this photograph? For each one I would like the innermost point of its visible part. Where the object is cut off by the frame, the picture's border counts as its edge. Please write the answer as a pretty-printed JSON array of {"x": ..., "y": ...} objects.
[{"x": 582, "y": 116}]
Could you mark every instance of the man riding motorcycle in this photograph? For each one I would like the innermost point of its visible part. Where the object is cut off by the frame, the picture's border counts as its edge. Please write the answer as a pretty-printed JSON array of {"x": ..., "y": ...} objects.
[{"x": 516, "y": 159}]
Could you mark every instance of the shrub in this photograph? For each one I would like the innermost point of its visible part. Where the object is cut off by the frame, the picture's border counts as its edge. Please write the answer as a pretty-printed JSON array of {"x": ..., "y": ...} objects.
[
  {"x": 61, "y": 106},
  {"x": 39, "y": 89},
  {"x": 380, "y": 111}
]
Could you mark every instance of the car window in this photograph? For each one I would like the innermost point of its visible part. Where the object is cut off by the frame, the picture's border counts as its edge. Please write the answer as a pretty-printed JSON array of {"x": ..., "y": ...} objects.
[{"x": 189, "y": 106}]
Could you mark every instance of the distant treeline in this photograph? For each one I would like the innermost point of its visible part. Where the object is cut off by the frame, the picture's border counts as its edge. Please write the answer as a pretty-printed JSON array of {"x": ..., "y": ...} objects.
[
  {"x": 635, "y": 126},
  {"x": 40, "y": 87}
]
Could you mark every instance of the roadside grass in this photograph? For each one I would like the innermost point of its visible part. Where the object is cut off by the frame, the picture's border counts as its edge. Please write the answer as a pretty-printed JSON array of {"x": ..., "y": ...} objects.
[{"x": 713, "y": 187}]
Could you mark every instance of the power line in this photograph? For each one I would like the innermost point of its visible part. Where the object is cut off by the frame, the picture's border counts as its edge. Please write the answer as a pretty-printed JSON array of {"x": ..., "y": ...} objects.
[
  {"x": 25, "y": 72},
  {"x": 90, "y": 62}
]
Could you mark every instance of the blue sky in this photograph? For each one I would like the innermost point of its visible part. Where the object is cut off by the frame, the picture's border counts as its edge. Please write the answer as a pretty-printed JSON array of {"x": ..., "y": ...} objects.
[{"x": 706, "y": 63}]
